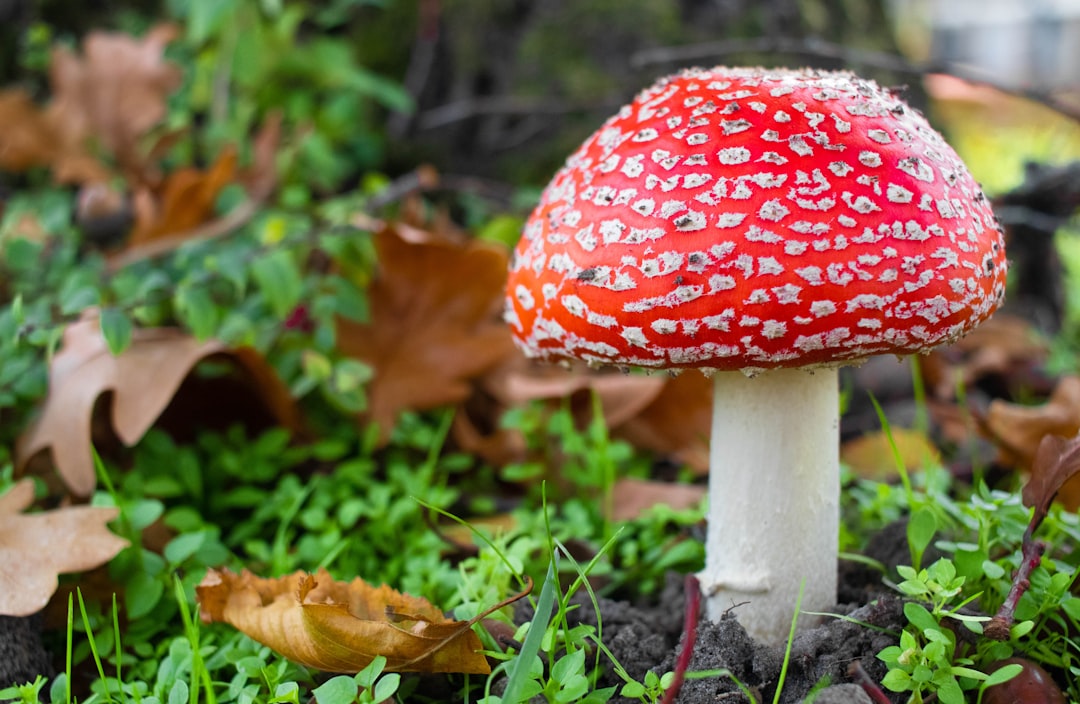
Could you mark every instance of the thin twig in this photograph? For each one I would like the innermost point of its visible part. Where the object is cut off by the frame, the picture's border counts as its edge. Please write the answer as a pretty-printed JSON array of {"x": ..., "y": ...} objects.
[
  {"x": 212, "y": 230},
  {"x": 421, "y": 61},
  {"x": 468, "y": 108},
  {"x": 1000, "y": 626}
]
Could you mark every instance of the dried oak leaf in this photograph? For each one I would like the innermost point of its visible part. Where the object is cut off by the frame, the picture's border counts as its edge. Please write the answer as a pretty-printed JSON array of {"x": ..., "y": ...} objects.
[
  {"x": 676, "y": 423},
  {"x": 340, "y": 626},
  {"x": 143, "y": 380},
  {"x": 114, "y": 93},
  {"x": 185, "y": 200},
  {"x": 435, "y": 323},
  {"x": 30, "y": 139},
  {"x": 517, "y": 381},
  {"x": 1003, "y": 346},
  {"x": 630, "y": 498},
  {"x": 37, "y": 547},
  {"x": 1018, "y": 429}
]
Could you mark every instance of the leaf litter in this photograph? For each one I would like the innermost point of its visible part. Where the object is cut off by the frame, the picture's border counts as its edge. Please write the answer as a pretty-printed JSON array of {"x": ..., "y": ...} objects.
[
  {"x": 143, "y": 380},
  {"x": 35, "y": 548}
]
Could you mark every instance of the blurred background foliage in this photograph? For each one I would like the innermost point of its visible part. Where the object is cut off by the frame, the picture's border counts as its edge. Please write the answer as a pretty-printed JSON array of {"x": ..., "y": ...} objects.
[{"x": 499, "y": 89}]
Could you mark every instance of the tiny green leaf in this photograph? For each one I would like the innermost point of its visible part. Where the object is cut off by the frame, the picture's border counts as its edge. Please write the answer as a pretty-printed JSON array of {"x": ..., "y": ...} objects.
[
  {"x": 1003, "y": 674},
  {"x": 336, "y": 690},
  {"x": 279, "y": 280},
  {"x": 116, "y": 328}
]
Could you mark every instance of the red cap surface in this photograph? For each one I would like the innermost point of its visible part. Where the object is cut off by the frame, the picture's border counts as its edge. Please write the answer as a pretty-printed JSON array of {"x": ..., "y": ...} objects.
[{"x": 752, "y": 219}]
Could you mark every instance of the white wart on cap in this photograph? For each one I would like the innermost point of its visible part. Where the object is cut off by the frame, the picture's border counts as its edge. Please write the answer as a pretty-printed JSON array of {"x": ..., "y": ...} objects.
[{"x": 754, "y": 219}]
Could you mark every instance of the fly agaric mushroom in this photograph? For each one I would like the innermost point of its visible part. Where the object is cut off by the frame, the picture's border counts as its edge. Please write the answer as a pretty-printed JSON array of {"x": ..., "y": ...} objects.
[{"x": 767, "y": 225}]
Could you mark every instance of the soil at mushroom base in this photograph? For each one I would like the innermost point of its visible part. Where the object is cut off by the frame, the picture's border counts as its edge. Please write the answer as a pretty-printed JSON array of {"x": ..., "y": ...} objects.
[{"x": 647, "y": 636}]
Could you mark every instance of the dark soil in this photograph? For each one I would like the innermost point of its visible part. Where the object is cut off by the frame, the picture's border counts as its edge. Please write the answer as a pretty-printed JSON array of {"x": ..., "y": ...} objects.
[
  {"x": 22, "y": 656},
  {"x": 644, "y": 638}
]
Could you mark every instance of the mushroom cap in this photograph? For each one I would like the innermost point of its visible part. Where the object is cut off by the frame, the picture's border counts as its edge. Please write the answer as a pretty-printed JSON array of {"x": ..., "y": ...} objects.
[{"x": 735, "y": 218}]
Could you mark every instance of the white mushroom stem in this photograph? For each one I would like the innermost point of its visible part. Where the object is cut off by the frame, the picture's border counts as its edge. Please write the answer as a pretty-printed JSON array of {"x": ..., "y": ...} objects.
[{"x": 774, "y": 485}]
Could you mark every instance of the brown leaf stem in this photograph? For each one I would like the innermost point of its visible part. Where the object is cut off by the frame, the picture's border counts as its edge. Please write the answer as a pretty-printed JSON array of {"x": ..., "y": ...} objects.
[
  {"x": 466, "y": 625},
  {"x": 1001, "y": 624}
]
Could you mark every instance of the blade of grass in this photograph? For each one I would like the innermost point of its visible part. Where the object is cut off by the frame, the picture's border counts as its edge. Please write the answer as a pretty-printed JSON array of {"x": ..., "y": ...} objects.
[
  {"x": 67, "y": 654},
  {"x": 119, "y": 651},
  {"x": 200, "y": 676},
  {"x": 93, "y": 645},
  {"x": 519, "y": 673},
  {"x": 901, "y": 467},
  {"x": 790, "y": 640}
]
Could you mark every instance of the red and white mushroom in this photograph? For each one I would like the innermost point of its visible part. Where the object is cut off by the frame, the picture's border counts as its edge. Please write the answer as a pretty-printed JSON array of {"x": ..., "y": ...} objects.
[{"x": 757, "y": 223}]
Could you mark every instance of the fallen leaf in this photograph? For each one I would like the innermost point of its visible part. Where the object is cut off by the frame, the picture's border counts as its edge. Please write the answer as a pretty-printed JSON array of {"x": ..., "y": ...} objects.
[
  {"x": 30, "y": 139},
  {"x": 1019, "y": 429},
  {"x": 871, "y": 455},
  {"x": 35, "y": 548},
  {"x": 677, "y": 422},
  {"x": 630, "y": 498},
  {"x": 478, "y": 427},
  {"x": 26, "y": 140},
  {"x": 1056, "y": 462},
  {"x": 1001, "y": 346},
  {"x": 340, "y": 626},
  {"x": 114, "y": 93},
  {"x": 185, "y": 200},
  {"x": 435, "y": 324},
  {"x": 143, "y": 380},
  {"x": 621, "y": 396}
]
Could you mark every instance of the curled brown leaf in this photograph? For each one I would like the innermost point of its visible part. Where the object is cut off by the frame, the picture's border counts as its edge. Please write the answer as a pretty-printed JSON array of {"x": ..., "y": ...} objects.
[{"x": 340, "y": 626}]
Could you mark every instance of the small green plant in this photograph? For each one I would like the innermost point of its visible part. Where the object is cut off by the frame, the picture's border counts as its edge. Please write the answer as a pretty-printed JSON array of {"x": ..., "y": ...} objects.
[
  {"x": 651, "y": 690},
  {"x": 928, "y": 661},
  {"x": 369, "y": 686},
  {"x": 29, "y": 693}
]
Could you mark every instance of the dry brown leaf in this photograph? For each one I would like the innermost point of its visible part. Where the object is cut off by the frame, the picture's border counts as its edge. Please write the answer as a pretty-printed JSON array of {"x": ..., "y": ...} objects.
[
  {"x": 871, "y": 456},
  {"x": 1056, "y": 464},
  {"x": 30, "y": 139},
  {"x": 630, "y": 498},
  {"x": 518, "y": 381},
  {"x": 114, "y": 93},
  {"x": 435, "y": 324},
  {"x": 340, "y": 626},
  {"x": 185, "y": 200},
  {"x": 143, "y": 379},
  {"x": 109, "y": 97},
  {"x": 37, "y": 547},
  {"x": 1000, "y": 346},
  {"x": 621, "y": 396},
  {"x": 26, "y": 140},
  {"x": 677, "y": 423},
  {"x": 1018, "y": 429}
]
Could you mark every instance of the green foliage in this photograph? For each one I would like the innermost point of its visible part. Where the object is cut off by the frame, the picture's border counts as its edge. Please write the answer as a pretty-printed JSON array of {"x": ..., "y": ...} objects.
[
  {"x": 369, "y": 686},
  {"x": 980, "y": 534}
]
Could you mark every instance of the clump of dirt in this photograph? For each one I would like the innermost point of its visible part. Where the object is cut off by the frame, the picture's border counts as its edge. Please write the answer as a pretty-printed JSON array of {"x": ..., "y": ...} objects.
[
  {"x": 22, "y": 656},
  {"x": 645, "y": 637}
]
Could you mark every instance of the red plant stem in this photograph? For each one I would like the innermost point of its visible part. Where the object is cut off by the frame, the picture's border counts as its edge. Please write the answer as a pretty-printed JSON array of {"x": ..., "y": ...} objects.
[
  {"x": 1031, "y": 553},
  {"x": 693, "y": 609},
  {"x": 857, "y": 673}
]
